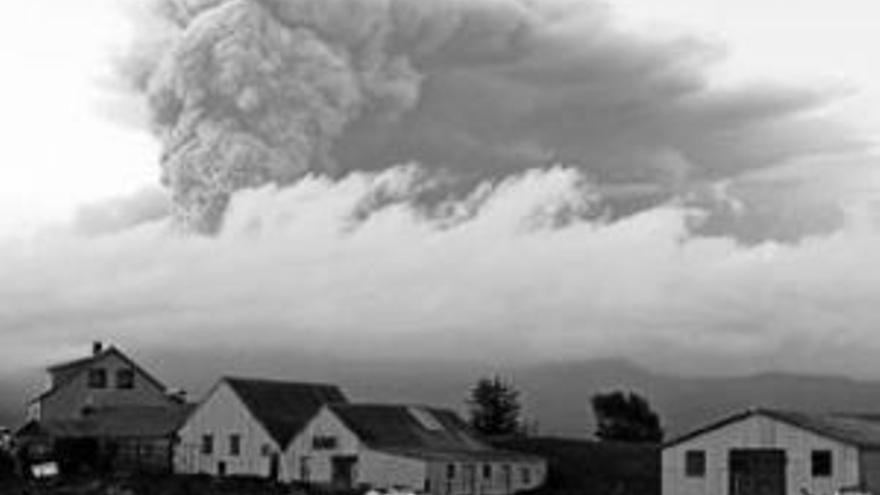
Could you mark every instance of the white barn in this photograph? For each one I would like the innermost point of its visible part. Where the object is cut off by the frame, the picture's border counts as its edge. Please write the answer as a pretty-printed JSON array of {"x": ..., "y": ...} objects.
[
  {"x": 417, "y": 448},
  {"x": 772, "y": 452},
  {"x": 243, "y": 427}
]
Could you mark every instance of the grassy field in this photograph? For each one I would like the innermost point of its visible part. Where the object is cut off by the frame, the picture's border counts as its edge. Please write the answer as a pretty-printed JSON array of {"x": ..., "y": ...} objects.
[{"x": 579, "y": 467}]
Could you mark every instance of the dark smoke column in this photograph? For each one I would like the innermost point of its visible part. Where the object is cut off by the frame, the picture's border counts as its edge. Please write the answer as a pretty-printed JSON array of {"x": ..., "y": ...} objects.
[
  {"x": 253, "y": 92},
  {"x": 250, "y": 92}
]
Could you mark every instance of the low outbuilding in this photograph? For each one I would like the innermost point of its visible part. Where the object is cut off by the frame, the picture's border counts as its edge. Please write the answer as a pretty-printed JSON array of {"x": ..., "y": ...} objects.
[{"x": 409, "y": 448}]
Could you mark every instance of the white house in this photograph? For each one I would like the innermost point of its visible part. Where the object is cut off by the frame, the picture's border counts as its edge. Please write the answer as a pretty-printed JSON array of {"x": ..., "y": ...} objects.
[
  {"x": 409, "y": 447},
  {"x": 771, "y": 452},
  {"x": 244, "y": 426}
]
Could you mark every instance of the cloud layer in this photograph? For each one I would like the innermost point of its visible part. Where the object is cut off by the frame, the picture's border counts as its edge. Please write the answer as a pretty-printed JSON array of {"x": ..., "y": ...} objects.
[
  {"x": 514, "y": 274},
  {"x": 572, "y": 191}
]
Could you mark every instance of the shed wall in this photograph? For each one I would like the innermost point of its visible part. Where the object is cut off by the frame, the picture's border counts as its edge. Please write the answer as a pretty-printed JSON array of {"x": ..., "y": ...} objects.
[
  {"x": 869, "y": 464},
  {"x": 759, "y": 432},
  {"x": 221, "y": 415}
]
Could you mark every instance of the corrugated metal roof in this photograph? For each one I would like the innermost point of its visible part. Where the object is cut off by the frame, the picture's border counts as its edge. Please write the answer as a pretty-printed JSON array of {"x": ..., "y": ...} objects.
[
  {"x": 282, "y": 407},
  {"x": 859, "y": 430},
  {"x": 418, "y": 431}
]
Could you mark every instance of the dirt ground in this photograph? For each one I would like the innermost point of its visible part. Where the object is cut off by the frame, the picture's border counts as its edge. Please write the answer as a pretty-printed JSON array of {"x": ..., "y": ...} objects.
[{"x": 146, "y": 485}]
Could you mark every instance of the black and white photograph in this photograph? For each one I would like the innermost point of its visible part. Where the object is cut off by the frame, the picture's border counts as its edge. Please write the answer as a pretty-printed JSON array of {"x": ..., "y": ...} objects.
[{"x": 440, "y": 247}]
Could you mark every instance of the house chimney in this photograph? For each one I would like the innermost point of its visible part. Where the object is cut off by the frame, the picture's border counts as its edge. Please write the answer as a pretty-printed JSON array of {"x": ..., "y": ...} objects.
[{"x": 97, "y": 347}]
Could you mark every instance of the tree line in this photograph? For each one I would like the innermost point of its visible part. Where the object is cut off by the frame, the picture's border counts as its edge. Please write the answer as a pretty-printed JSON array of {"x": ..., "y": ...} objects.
[{"x": 495, "y": 410}]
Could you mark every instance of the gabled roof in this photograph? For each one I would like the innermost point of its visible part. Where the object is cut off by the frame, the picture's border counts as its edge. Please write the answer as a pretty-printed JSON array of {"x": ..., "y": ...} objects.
[
  {"x": 283, "y": 408},
  {"x": 417, "y": 431},
  {"x": 858, "y": 430},
  {"x": 122, "y": 422},
  {"x": 70, "y": 370}
]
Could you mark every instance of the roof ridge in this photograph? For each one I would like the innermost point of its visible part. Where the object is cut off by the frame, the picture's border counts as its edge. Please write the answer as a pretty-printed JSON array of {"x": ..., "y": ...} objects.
[
  {"x": 389, "y": 405},
  {"x": 83, "y": 360},
  {"x": 282, "y": 407},
  {"x": 274, "y": 381},
  {"x": 817, "y": 422}
]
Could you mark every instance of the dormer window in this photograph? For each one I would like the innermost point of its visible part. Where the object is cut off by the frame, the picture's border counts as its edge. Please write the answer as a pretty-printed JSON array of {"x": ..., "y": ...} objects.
[
  {"x": 125, "y": 379},
  {"x": 97, "y": 378}
]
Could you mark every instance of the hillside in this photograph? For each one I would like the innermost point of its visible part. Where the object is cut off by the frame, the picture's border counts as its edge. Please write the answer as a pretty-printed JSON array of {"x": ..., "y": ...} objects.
[{"x": 555, "y": 394}]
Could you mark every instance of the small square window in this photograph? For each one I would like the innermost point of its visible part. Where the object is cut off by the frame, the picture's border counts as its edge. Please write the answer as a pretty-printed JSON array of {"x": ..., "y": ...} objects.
[
  {"x": 821, "y": 463},
  {"x": 207, "y": 444},
  {"x": 235, "y": 445},
  {"x": 695, "y": 463},
  {"x": 97, "y": 378},
  {"x": 125, "y": 379},
  {"x": 323, "y": 443}
]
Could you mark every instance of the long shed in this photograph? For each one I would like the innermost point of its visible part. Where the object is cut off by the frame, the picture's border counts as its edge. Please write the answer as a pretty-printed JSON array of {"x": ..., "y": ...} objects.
[{"x": 407, "y": 447}]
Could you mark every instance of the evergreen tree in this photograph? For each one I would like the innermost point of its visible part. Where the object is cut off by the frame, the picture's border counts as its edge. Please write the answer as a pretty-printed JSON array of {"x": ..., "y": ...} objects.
[{"x": 495, "y": 407}]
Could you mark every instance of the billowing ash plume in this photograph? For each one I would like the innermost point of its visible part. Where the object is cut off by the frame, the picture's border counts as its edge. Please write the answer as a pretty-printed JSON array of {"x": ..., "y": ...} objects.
[{"x": 250, "y": 92}]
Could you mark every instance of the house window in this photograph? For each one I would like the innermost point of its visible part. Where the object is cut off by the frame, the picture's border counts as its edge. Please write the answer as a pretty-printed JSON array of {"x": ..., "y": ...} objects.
[
  {"x": 207, "y": 444},
  {"x": 221, "y": 468},
  {"x": 266, "y": 450},
  {"x": 235, "y": 445},
  {"x": 695, "y": 463},
  {"x": 145, "y": 450},
  {"x": 97, "y": 378},
  {"x": 450, "y": 471},
  {"x": 525, "y": 475},
  {"x": 821, "y": 463},
  {"x": 487, "y": 471},
  {"x": 125, "y": 379},
  {"x": 323, "y": 443}
]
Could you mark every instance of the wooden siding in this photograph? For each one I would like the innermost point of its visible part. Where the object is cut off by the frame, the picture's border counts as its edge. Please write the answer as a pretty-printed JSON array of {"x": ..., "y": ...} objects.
[
  {"x": 759, "y": 432},
  {"x": 324, "y": 424},
  {"x": 69, "y": 400},
  {"x": 221, "y": 415},
  {"x": 142, "y": 455},
  {"x": 869, "y": 465},
  {"x": 469, "y": 477}
]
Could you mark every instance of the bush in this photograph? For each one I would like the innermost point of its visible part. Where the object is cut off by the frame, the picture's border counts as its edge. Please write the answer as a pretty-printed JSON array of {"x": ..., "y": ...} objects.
[{"x": 7, "y": 465}]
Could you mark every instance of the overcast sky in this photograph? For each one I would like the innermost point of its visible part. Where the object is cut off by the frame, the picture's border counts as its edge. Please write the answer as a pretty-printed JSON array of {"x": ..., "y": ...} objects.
[{"x": 692, "y": 175}]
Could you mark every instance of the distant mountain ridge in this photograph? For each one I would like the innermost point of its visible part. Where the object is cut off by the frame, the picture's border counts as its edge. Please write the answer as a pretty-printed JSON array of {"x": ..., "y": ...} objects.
[
  {"x": 555, "y": 395},
  {"x": 686, "y": 402}
]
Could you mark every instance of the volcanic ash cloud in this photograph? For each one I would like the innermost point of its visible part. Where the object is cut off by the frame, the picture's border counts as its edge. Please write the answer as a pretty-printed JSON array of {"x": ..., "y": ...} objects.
[{"x": 251, "y": 92}]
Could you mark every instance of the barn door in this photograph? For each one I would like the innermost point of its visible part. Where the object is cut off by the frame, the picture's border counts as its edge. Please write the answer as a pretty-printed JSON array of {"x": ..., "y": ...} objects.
[
  {"x": 470, "y": 478},
  {"x": 343, "y": 475},
  {"x": 756, "y": 472},
  {"x": 274, "y": 466}
]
